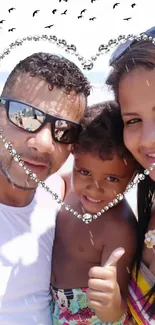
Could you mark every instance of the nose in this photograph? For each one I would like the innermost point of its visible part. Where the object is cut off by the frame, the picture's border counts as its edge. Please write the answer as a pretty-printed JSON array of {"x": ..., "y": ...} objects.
[
  {"x": 147, "y": 139},
  {"x": 96, "y": 185},
  {"x": 42, "y": 141}
]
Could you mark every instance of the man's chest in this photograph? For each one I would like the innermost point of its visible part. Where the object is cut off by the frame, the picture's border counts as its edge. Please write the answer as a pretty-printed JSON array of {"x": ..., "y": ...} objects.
[{"x": 25, "y": 254}]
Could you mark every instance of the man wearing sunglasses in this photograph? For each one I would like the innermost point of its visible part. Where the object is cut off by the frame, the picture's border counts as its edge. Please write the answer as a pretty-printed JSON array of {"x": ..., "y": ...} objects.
[{"x": 41, "y": 106}]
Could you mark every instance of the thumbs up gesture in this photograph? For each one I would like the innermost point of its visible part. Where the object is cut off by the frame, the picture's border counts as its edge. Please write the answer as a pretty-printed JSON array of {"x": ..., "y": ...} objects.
[{"x": 104, "y": 292}]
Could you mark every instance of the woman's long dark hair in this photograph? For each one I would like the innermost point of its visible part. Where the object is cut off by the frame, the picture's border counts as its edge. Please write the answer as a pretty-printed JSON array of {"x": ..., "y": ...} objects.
[{"x": 140, "y": 54}]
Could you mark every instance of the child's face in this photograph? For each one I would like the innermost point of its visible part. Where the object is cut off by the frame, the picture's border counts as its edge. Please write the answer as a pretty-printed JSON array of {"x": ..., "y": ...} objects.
[{"x": 97, "y": 182}]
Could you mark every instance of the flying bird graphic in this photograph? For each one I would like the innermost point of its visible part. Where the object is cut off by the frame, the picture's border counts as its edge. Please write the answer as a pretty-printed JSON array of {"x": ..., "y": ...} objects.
[
  {"x": 49, "y": 26},
  {"x": 11, "y": 29},
  {"x": 11, "y": 9},
  {"x": 35, "y": 12},
  {"x": 116, "y": 4},
  {"x": 92, "y": 18},
  {"x": 82, "y": 11},
  {"x": 64, "y": 13},
  {"x": 54, "y": 11},
  {"x": 127, "y": 18}
]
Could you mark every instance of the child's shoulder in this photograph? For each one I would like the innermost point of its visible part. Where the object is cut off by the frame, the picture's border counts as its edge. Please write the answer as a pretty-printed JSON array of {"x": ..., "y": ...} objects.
[
  {"x": 123, "y": 211},
  {"x": 66, "y": 180},
  {"x": 121, "y": 230},
  {"x": 122, "y": 219}
]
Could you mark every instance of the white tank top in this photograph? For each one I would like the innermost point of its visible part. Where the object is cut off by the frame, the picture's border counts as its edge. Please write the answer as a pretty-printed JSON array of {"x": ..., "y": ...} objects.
[{"x": 26, "y": 240}]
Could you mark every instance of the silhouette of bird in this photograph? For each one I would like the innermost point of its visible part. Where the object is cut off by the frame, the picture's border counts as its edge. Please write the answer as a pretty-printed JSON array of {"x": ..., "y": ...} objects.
[
  {"x": 54, "y": 11},
  {"x": 64, "y": 13},
  {"x": 49, "y": 26},
  {"x": 11, "y": 29},
  {"x": 11, "y": 9},
  {"x": 133, "y": 5},
  {"x": 115, "y": 5},
  {"x": 2, "y": 21},
  {"x": 82, "y": 11},
  {"x": 93, "y": 1},
  {"x": 80, "y": 16},
  {"x": 35, "y": 12},
  {"x": 127, "y": 18},
  {"x": 92, "y": 18}
]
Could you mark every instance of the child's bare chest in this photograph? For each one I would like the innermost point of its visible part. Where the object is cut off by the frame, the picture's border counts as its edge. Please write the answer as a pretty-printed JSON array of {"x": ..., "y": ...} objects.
[
  {"x": 77, "y": 239},
  {"x": 77, "y": 248}
]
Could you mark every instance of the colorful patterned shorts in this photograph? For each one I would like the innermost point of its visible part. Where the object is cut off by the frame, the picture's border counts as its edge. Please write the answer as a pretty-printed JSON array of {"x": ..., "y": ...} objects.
[{"x": 70, "y": 307}]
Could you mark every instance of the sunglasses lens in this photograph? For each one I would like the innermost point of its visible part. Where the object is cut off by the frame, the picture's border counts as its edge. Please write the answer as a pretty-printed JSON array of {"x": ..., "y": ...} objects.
[
  {"x": 24, "y": 116},
  {"x": 65, "y": 131},
  {"x": 30, "y": 119}
]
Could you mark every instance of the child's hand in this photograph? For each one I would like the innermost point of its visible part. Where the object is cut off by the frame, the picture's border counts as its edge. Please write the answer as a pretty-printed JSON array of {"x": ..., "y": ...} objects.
[{"x": 104, "y": 293}]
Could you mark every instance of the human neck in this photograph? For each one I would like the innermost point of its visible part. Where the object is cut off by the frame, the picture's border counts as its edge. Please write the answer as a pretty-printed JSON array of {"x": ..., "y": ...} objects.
[{"x": 12, "y": 196}]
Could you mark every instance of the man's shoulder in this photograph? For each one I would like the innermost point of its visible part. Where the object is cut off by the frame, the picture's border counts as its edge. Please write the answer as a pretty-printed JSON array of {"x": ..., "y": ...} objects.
[{"x": 54, "y": 182}]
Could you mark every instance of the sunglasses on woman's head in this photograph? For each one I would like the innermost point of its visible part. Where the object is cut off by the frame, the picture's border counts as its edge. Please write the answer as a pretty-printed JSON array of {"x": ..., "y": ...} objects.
[
  {"x": 32, "y": 119},
  {"x": 122, "y": 48}
]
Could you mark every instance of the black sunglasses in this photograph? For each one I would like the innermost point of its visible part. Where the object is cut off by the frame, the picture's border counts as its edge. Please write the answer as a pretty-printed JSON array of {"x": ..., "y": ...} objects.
[
  {"x": 122, "y": 48},
  {"x": 32, "y": 119}
]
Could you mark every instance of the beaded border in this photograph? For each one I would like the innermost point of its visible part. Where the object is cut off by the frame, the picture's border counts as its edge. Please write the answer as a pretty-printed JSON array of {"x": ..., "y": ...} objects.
[
  {"x": 71, "y": 48},
  {"x": 87, "y": 217},
  {"x": 87, "y": 65}
]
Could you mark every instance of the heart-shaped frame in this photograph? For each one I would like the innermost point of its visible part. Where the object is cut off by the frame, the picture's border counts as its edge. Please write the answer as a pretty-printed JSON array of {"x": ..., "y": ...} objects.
[
  {"x": 86, "y": 64},
  {"x": 103, "y": 49}
]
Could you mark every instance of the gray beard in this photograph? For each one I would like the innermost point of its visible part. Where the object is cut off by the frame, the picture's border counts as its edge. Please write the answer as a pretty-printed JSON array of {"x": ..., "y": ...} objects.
[{"x": 8, "y": 177}]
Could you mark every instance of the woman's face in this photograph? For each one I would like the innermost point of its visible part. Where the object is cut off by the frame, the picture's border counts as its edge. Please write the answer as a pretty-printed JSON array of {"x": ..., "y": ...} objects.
[{"x": 137, "y": 100}]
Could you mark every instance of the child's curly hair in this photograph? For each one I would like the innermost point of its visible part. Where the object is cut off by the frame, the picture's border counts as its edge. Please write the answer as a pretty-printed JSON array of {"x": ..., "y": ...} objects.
[{"x": 102, "y": 132}]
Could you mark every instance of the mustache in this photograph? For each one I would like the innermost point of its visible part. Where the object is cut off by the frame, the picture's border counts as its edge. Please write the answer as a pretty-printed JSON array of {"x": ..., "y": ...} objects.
[{"x": 36, "y": 158}]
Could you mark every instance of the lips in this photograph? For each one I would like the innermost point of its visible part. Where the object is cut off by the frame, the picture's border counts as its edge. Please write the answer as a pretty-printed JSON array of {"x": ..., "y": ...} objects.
[
  {"x": 150, "y": 157},
  {"x": 89, "y": 200},
  {"x": 92, "y": 200},
  {"x": 36, "y": 167}
]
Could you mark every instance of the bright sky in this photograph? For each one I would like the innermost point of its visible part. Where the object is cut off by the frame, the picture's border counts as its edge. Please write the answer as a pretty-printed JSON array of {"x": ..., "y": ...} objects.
[{"x": 86, "y": 35}]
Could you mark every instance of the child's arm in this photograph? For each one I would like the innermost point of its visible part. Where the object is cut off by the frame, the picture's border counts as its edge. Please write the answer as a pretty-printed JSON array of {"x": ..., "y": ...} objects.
[{"x": 108, "y": 284}]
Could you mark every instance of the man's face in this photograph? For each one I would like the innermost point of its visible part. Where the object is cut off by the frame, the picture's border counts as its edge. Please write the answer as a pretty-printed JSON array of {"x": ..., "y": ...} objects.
[{"x": 40, "y": 152}]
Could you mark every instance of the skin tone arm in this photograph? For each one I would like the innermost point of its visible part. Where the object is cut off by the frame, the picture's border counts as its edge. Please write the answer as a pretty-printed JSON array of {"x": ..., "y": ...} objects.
[{"x": 108, "y": 284}]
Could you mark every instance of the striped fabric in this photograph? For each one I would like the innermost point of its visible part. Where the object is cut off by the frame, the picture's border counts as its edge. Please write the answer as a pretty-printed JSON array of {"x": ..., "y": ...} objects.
[{"x": 137, "y": 291}]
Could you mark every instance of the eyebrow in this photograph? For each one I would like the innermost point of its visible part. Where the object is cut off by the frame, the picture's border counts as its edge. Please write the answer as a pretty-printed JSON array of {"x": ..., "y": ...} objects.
[
  {"x": 129, "y": 114},
  {"x": 134, "y": 113},
  {"x": 80, "y": 167},
  {"x": 117, "y": 176}
]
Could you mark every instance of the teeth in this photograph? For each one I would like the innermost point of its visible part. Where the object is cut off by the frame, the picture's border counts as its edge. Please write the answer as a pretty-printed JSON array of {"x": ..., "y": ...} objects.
[
  {"x": 152, "y": 155},
  {"x": 92, "y": 200}
]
